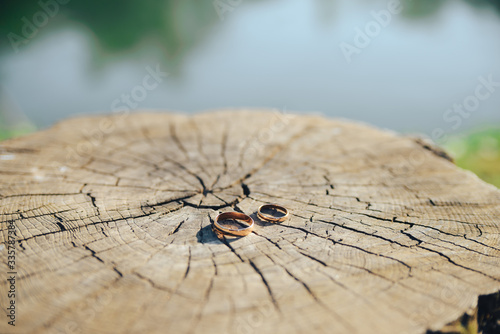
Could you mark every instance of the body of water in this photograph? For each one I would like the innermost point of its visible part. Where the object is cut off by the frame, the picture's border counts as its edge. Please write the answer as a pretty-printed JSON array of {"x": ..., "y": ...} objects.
[{"x": 394, "y": 67}]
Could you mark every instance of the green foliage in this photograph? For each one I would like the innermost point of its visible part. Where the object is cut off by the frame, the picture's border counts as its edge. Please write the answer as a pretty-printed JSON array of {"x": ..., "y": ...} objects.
[
  {"x": 16, "y": 132},
  {"x": 4, "y": 135},
  {"x": 479, "y": 152}
]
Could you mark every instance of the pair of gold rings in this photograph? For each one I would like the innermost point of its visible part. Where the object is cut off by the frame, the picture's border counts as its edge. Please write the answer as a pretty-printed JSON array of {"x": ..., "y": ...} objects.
[{"x": 220, "y": 229}]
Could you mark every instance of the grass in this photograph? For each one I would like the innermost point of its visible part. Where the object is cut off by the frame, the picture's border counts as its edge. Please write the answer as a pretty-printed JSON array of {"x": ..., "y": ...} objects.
[
  {"x": 16, "y": 132},
  {"x": 479, "y": 152}
]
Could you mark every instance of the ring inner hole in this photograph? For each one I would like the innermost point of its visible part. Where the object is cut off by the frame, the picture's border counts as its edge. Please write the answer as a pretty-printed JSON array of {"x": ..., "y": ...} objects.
[
  {"x": 274, "y": 212},
  {"x": 233, "y": 224}
]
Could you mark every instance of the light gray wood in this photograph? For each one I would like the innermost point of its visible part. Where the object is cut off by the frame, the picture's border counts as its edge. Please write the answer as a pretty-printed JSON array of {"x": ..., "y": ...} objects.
[{"x": 113, "y": 218}]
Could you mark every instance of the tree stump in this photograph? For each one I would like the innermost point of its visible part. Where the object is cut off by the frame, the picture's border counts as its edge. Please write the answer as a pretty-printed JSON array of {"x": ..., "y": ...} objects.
[{"x": 112, "y": 220}]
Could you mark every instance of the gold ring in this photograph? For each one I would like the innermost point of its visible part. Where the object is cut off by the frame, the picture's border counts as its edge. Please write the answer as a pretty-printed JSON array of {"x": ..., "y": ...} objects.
[
  {"x": 272, "y": 218},
  {"x": 236, "y": 232}
]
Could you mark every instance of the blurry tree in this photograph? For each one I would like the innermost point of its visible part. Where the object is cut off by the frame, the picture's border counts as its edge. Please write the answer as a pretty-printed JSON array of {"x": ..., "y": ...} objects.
[
  {"x": 422, "y": 8},
  {"x": 172, "y": 26}
]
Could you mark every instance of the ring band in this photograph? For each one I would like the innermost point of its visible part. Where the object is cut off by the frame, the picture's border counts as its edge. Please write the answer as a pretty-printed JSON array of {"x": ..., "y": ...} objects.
[
  {"x": 270, "y": 218},
  {"x": 239, "y": 232}
]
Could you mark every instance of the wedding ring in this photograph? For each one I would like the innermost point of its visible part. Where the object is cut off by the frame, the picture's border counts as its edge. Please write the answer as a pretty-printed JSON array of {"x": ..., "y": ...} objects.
[
  {"x": 236, "y": 232},
  {"x": 271, "y": 218}
]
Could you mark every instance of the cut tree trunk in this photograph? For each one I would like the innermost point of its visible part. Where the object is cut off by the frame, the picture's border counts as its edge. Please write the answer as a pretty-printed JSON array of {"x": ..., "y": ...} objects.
[{"x": 113, "y": 216}]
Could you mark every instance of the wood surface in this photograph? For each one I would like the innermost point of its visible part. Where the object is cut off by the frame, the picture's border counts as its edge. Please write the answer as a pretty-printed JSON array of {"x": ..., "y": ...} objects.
[{"x": 113, "y": 227}]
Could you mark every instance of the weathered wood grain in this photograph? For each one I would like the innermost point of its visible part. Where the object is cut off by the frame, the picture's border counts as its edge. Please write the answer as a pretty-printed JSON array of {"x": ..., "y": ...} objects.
[{"x": 113, "y": 218}]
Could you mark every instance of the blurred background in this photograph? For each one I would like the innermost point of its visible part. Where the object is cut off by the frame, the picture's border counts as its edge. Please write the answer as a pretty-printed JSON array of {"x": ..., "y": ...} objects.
[{"x": 414, "y": 66}]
